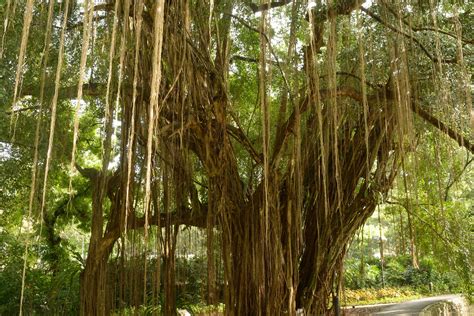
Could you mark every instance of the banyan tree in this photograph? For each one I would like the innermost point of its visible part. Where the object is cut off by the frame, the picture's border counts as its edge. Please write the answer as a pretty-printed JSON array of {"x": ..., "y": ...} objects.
[{"x": 275, "y": 127}]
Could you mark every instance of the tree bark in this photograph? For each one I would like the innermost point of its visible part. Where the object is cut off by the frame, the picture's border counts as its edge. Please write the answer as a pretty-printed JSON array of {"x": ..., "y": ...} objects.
[{"x": 93, "y": 281}]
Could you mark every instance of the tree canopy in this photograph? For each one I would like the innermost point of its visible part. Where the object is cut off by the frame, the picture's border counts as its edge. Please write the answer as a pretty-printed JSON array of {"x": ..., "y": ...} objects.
[{"x": 272, "y": 128}]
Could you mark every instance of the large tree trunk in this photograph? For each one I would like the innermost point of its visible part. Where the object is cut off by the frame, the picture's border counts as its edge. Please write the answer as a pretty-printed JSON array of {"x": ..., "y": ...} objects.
[{"x": 313, "y": 184}]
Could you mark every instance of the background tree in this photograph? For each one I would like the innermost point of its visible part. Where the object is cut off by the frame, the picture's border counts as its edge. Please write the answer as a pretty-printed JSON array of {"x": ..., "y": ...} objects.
[{"x": 440, "y": 226}]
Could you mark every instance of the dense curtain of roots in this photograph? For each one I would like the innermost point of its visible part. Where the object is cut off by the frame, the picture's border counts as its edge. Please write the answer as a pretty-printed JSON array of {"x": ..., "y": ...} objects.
[{"x": 318, "y": 167}]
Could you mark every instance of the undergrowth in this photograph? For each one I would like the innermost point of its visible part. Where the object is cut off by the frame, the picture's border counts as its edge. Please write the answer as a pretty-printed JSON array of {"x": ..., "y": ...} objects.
[{"x": 371, "y": 296}]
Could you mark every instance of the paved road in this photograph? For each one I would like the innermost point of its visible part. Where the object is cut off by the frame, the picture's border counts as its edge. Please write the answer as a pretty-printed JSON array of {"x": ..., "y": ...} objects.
[{"x": 416, "y": 307}]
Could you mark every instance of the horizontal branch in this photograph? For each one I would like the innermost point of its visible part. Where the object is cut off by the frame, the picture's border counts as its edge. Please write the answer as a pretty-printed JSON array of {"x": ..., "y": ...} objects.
[
  {"x": 104, "y": 7},
  {"x": 250, "y": 59},
  {"x": 185, "y": 217},
  {"x": 357, "y": 96},
  {"x": 432, "y": 29}
]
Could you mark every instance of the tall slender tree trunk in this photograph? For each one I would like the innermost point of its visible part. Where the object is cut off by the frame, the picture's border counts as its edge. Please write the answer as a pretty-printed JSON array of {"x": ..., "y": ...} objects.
[
  {"x": 362, "y": 260},
  {"x": 403, "y": 245},
  {"x": 382, "y": 260},
  {"x": 414, "y": 258},
  {"x": 169, "y": 260},
  {"x": 211, "y": 265}
]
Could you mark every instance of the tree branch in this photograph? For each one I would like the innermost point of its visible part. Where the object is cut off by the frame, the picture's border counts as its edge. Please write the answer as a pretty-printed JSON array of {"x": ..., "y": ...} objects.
[
  {"x": 428, "y": 117},
  {"x": 420, "y": 29},
  {"x": 267, "y": 6},
  {"x": 432, "y": 29},
  {"x": 240, "y": 136},
  {"x": 89, "y": 173},
  {"x": 250, "y": 59},
  {"x": 448, "y": 242},
  {"x": 270, "y": 46},
  {"x": 183, "y": 217},
  {"x": 456, "y": 178},
  {"x": 104, "y": 6},
  {"x": 410, "y": 36}
]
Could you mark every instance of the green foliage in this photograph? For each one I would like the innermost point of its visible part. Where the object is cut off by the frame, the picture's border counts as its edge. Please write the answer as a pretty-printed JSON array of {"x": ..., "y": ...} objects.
[
  {"x": 44, "y": 292},
  {"x": 399, "y": 273},
  {"x": 396, "y": 269},
  {"x": 358, "y": 274},
  {"x": 11, "y": 267},
  {"x": 140, "y": 310},
  {"x": 191, "y": 280},
  {"x": 64, "y": 286},
  {"x": 202, "y": 309}
]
